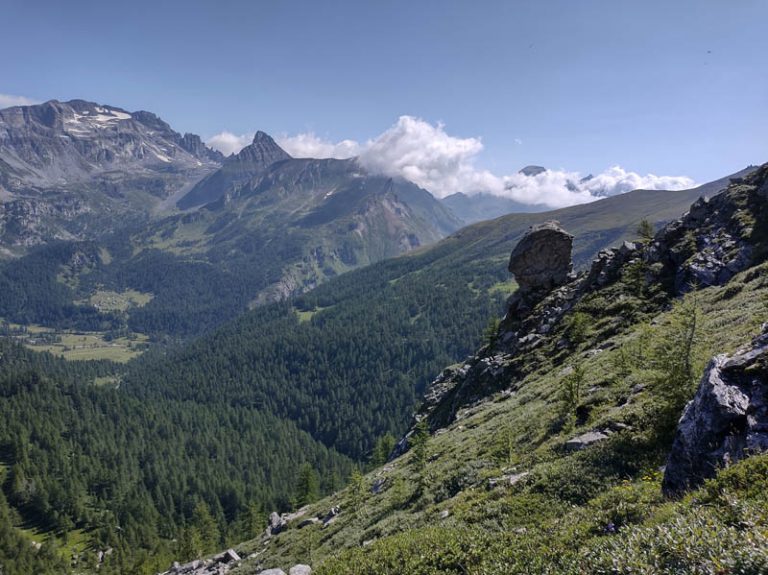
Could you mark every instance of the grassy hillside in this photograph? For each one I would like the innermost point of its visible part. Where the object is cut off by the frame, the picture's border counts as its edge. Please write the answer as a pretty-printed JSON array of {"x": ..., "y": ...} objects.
[{"x": 517, "y": 481}]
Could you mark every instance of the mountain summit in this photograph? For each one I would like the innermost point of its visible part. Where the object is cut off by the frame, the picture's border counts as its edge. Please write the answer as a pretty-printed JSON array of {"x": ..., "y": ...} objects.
[
  {"x": 66, "y": 166},
  {"x": 237, "y": 170}
]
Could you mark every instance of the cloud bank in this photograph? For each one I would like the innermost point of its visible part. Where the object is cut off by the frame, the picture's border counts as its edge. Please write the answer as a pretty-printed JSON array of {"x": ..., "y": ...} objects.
[
  {"x": 443, "y": 164},
  {"x": 228, "y": 143},
  {"x": 10, "y": 100}
]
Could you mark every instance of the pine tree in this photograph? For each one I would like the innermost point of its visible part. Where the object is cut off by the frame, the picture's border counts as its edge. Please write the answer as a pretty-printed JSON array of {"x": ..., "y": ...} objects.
[
  {"x": 645, "y": 230},
  {"x": 308, "y": 486},
  {"x": 207, "y": 527},
  {"x": 384, "y": 446}
]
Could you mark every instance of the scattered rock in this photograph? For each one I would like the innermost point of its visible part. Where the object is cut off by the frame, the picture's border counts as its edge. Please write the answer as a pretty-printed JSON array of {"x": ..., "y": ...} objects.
[
  {"x": 584, "y": 440},
  {"x": 444, "y": 514},
  {"x": 333, "y": 513},
  {"x": 378, "y": 485},
  {"x": 229, "y": 556},
  {"x": 277, "y": 524},
  {"x": 218, "y": 565},
  {"x": 272, "y": 572},
  {"x": 506, "y": 480},
  {"x": 300, "y": 570},
  {"x": 726, "y": 421}
]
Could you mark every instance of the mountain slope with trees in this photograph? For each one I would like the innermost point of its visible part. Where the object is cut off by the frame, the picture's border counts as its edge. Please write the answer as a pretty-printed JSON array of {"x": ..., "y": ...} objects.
[{"x": 542, "y": 450}]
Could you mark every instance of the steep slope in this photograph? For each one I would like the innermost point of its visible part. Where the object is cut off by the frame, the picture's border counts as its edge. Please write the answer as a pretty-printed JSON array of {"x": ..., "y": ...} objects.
[
  {"x": 76, "y": 169},
  {"x": 541, "y": 451},
  {"x": 236, "y": 170},
  {"x": 430, "y": 309},
  {"x": 480, "y": 207}
]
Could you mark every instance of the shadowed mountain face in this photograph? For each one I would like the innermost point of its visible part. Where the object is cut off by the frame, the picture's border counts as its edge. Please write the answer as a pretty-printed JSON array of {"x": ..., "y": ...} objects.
[{"x": 300, "y": 221}]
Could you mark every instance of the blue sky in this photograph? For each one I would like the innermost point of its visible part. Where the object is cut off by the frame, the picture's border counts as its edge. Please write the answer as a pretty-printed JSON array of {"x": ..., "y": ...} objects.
[{"x": 678, "y": 88}]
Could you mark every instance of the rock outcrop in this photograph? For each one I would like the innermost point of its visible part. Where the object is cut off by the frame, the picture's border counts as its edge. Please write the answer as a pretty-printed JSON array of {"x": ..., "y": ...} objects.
[
  {"x": 726, "y": 421},
  {"x": 716, "y": 239},
  {"x": 218, "y": 565},
  {"x": 541, "y": 261}
]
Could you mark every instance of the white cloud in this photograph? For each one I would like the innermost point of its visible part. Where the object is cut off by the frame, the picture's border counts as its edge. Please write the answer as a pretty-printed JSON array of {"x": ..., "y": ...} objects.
[
  {"x": 228, "y": 143},
  {"x": 9, "y": 100},
  {"x": 443, "y": 164},
  {"x": 309, "y": 145},
  {"x": 616, "y": 180}
]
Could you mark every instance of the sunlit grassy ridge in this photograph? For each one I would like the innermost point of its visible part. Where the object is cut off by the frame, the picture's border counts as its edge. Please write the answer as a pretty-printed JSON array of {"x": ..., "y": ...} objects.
[{"x": 588, "y": 511}]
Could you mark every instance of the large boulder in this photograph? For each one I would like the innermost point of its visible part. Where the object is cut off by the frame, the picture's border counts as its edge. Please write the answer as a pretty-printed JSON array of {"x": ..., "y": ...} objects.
[
  {"x": 541, "y": 261},
  {"x": 726, "y": 421}
]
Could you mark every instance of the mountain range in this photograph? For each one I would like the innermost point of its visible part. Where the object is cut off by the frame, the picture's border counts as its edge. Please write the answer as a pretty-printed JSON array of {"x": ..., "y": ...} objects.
[{"x": 286, "y": 320}]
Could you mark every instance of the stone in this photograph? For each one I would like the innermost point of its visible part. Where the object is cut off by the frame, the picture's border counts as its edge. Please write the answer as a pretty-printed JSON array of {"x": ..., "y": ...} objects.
[
  {"x": 308, "y": 522},
  {"x": 378, "y": 485},
  {"x": 726, "y": 421},
  {"x": 229, "y": 556},
  {"x": 584, "y": 440},
  {"x": 331, "y": 516},
  {"x": 276, "y": 524},
  {"x": 300, "y": 570},
  {"x": 272, "y": 572},
  {"x": 444, "y": 514},
  {"x": 541, "y": 261},
  {"x": 506, "y": 480}
]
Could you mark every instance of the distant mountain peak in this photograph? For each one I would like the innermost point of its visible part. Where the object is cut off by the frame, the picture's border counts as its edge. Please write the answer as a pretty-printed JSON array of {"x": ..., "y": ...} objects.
[
  {"x": 237, "y": 170},
  {"x": 533, "y": 170},
  {"x": 263, "y": 152}
]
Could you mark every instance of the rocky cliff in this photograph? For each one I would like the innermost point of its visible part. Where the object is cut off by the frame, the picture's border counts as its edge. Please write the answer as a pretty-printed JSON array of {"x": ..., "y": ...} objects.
[{"x": 77, "y": 168}]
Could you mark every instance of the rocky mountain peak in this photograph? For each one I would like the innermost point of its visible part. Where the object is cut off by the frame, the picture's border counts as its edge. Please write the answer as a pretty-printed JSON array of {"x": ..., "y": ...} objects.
[
  {"x": 533, "y": 170},
  {"x": 261, "y": 153}
]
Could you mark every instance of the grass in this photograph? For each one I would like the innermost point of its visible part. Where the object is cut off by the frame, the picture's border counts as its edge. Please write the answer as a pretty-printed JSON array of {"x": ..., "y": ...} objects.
[
  {"x": 105, "y": 300},
  {"x": 564, "y": 497},
  {"x": 85, "y": 346},
  {"x": 307, "y": 315}
]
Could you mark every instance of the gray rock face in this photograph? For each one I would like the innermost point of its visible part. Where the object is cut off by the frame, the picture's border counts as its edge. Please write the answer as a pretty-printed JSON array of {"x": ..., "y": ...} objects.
[
  {"x": 218, "y": 565},
  {"x": 541, "y": 261},
  {"x": 726, "y": 421},
  {"x": 68, "y": 168},
  {"x": 277, "y": 524}
]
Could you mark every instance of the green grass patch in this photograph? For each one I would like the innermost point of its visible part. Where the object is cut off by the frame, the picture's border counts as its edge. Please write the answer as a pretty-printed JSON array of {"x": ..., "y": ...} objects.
[
  {"x": 86, "y": 346},
  {"x": 106, "y": 300}
]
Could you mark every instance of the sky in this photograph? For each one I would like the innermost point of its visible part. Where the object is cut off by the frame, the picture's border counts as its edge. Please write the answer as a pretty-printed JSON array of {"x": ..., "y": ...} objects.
[{"x": 456, "y": 95}]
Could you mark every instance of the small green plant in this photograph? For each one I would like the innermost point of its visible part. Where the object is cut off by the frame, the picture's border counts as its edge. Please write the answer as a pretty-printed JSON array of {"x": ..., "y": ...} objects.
[
  {"x": 578, "y": 327},
  {"x": 645, "y": 231},
  {"x": 573, "y": 383},
  {"x": 418, "y": 441},
  {"x": 491, "y": 332},
  {"x": 358, "y": 491}
]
